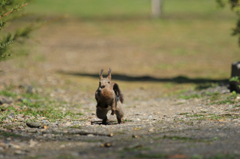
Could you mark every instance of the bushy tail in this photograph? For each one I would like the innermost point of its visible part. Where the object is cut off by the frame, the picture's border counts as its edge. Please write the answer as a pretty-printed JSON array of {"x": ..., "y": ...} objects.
[{"x": 118, "y": 93}]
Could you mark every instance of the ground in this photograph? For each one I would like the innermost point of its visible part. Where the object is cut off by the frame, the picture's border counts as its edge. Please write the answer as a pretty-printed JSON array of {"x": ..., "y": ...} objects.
[{"x": 172, "y": 71}]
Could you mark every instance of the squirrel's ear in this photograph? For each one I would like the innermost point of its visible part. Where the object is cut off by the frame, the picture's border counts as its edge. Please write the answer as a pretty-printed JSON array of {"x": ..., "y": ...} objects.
[
  {"x": 109, "y": 74},
  {"x": 100, "y": 74}
]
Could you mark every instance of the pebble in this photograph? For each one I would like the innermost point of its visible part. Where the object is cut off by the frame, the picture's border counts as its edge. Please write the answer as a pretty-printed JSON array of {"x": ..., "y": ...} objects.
[
  {"x": 33, "y": 124},
  {"x": 151, "y": 129},
  {"x": 19, "y": 152},
  {"x": 32, "y": 143},
  {"x": 3, "y": 145},
  {"x": 90, "y": 135},
  {"x": 15, "y": 146},
  {"x": 68, "y": 124},
  {"x": 107, "y": 144},
  {"x": 4, "y": 100},
  {"x": 31, "y": 130}
]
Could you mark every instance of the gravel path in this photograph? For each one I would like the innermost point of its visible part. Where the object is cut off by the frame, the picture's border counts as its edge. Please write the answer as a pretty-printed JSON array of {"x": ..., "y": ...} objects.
[{"x": 156, "y": 128}]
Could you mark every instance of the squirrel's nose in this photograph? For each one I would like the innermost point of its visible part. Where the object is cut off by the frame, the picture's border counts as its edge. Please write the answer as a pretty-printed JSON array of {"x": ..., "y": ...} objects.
[{"x": 102, "y": 86}]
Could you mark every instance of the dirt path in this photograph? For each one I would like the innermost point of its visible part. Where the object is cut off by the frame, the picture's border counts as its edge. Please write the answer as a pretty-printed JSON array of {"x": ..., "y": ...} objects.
[{"x": 62, "y": 74}]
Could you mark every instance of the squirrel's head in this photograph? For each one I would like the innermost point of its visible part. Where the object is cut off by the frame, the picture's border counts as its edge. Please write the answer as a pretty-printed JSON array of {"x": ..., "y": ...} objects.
[{"x": 104, "y": 82}]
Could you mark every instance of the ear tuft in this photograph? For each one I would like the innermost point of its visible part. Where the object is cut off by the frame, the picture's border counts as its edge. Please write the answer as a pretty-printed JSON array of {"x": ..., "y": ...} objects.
[
  {"x": 100, "y": 74},
  {"x": 109, "y": 74}
]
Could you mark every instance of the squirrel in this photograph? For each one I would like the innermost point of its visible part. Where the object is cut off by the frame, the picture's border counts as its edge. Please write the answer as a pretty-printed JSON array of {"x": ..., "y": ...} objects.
[{"x": 108, "y": 97}]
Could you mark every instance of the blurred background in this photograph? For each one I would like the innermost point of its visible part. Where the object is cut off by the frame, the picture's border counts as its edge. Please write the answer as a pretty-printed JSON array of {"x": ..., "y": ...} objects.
[{"x": 189, "y": 45}]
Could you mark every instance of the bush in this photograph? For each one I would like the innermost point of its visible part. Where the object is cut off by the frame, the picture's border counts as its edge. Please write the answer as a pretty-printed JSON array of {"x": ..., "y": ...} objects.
[
  {"x": 11, "y": 10},
  {"x": 235, "y": 7}
]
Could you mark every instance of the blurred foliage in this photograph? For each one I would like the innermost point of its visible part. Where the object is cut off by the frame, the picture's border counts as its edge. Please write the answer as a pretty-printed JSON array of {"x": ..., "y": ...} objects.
[
  {"x": 235, "y": 7},
  {"x": 12, "y": 10}
]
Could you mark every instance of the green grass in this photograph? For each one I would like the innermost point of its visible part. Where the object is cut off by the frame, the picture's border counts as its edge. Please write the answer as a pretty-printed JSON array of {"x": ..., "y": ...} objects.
[
  {"x": 184, "y": 113},
  {"x": 195, "y": 115},
  {"x": 34, "y": 105},
  {"x": 91, "y": 8},
  {"x": 95, "y": 8},
  {"x": 5, "y": 135},
  {"x": 191, "y": 96},
  {"x": 230, "y": 99},
  {"x": 7, "y": 93}
]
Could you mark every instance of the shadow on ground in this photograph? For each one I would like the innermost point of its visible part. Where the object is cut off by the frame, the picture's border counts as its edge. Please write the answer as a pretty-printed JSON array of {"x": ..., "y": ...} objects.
[{"x": 177, "y": 79}]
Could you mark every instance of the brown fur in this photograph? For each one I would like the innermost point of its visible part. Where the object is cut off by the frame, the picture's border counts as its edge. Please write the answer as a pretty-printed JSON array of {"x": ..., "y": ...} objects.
[{"x": 108, "y": 96}]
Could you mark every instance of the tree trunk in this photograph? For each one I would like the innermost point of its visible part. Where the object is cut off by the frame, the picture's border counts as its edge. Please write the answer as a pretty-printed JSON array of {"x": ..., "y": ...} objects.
[
  {"x": 234, "y": 85},
  {"x": 156, "y": 8}
]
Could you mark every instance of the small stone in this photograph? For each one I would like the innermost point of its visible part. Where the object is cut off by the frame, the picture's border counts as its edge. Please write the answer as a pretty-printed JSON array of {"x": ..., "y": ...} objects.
[
  {"x": 137, "y": 119},
  {"x": 32, "y": 131},
  {"x": 68, "y": 124},
  {"x": 90, "y": 135},
  {"x": 151, "y": 129},
  {"x": 20, "y": 127},
  {"x": 19, "y": 152},
  {"x": 3, "y": 145},
  {"x": 12, "y": 115},
  {"x": 16, "y": 146},
  {"x": 88, "y": 123},
  {"x": 134, "y": 136},
  {"x": 4, "y": 100},
  {"x": 107, "y": 144},
  {"x": 33, "y": 124},
  {"x": 21, "y": 119},
  {"x": 238, "y": 98},
  {"x": 32, "y": 143}
]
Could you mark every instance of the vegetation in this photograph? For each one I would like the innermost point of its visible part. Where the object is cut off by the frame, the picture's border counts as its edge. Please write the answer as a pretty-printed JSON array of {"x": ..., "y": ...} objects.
[
  {"x": 33, "y": 105},
  {"x": 11, "y": 10},
  {"x": 235, "y": 7}
]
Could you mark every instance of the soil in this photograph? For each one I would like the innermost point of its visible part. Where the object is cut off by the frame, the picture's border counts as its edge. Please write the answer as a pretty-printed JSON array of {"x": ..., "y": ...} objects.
[{"x": 155, "y": 126}]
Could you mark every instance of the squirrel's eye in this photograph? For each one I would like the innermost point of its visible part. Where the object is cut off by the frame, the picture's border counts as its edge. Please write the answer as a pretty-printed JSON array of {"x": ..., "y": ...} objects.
[{"x": 109, "y": 82}]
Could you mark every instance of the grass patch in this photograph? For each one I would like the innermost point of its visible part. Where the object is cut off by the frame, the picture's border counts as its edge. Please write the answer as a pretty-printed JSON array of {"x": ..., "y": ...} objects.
[
  {"x": 184, "y": 113},
  {"x": 75, "y": 127},
  {"x": 8, "y": 93},
  {"x": 205, "y": 86},
  {"x": 213, "y": 96},
  {"x": 196, "y": 115},
  {"x": 36, "y": 109},
  {"x": 236, "y": 106},
  {"x": 127, "y": 120},
  {"x": 5, "y": 134},
  {"x": 226, "y": 101},
  {"x": 230, "y": 99}
]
